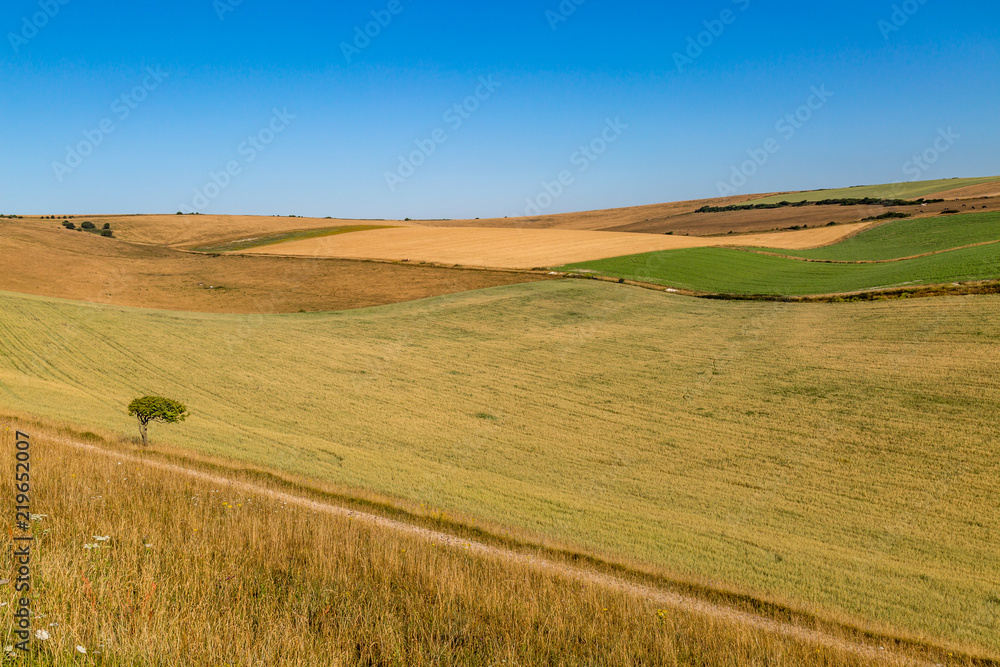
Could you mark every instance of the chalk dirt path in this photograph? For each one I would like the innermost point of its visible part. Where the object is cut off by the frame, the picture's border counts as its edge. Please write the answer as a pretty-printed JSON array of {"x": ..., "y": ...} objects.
[{"x": 677, "y": 601}]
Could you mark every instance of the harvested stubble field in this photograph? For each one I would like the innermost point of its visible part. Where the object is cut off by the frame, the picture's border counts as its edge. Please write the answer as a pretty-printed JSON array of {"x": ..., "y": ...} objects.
[
  {"x": 39, "y": 257},
  {"x": 193, "y": 231},
  {"x": 782, "y": 218},
  {"x": 140, "y": 566},
  {"x": 839, "y": 458},
  {"x": 524, "y": 248}
]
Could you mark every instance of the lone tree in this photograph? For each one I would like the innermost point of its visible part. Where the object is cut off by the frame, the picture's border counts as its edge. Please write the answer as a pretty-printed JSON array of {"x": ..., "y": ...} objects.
[{"x": 155, "y": 409}]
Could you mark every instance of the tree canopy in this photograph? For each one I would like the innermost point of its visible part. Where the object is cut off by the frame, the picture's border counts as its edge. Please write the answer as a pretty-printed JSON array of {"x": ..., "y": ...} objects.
[{"x": 156, "y": 408}]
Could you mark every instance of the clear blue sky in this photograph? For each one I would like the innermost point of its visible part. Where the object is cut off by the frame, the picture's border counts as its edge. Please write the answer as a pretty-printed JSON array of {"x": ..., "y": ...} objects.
[{"x": 687, "y": 126}]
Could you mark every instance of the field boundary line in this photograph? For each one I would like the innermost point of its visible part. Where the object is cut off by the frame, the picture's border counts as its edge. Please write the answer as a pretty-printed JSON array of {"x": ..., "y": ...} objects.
[{"x": 677, "y": 601}]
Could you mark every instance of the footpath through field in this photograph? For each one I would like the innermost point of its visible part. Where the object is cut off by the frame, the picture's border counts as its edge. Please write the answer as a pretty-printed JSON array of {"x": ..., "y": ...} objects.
[{"x": 684, "y": 603}]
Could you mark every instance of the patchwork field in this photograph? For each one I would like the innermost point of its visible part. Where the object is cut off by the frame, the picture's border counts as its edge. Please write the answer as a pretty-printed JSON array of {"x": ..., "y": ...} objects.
[
  {"x": 908, "y": 190},
  {"x": 44, "y": 259},
  {"x": 828, "y": 463},
  {"x": 837, "y": 457},
  {"x": 747, "y": 272},
  {"x": 523, "y": 248}
]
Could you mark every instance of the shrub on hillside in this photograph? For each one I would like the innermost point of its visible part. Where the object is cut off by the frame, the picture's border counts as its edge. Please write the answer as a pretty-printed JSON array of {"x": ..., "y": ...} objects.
[
  {"x": 107, "y": 225},
  {"x": 107, "y": 232},
  {"x": 88, "y": 225}
]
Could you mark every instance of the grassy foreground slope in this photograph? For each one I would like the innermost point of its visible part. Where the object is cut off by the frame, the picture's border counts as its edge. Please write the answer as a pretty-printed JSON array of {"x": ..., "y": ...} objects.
[
  {"x": 841, "y": 456},
  {"x": 198, "y": 573},
  {"x": 909, "y": 190}
]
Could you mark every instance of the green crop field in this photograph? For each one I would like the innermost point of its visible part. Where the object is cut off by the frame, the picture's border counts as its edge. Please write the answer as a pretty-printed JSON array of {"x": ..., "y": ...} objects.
[
  {"x": 906, "y": 238},
  {"x": 730, "y": 271},
  {"x": 910, "y": 190},
  {"x": 840, "y": 456}
]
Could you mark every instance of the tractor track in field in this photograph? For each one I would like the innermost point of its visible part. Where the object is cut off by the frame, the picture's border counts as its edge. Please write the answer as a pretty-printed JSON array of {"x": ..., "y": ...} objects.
[{"x": 677, "y": 601}]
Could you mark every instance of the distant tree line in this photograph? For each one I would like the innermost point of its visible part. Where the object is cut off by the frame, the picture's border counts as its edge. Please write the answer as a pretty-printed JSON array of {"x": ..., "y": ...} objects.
[
  {"x": 866, "y": 201},
  {"x": 886, "y": 216}
]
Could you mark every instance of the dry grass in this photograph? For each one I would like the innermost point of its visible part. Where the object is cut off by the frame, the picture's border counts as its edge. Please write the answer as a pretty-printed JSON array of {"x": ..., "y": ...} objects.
[
  {"x": 39, "y": 257},
  {"x": 905, "y": 190},
  {"x": 525, "y": 248},
  {"x": 969, "y": 192},
  {"x": 201, "y": 574},
  {"x": 190, "y": 231},
  {"x": 837, "y": 457}
]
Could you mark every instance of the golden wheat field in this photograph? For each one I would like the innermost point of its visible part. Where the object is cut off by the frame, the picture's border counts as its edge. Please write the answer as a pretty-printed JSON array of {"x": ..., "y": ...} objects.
[
  {"x": 836, "y": 458},
  {"x": 526, "y": 248}
]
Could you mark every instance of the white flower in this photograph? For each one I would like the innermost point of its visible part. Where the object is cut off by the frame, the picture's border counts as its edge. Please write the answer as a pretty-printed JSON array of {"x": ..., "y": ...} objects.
[
  {"x": 42, "y": 634},
  {"x": 148, "y": 546},
  {"x": 102, "y": 539},
  {"x": 9, "y": 650},
  {"x": 91, "y": 546},
  {"x": 38, "y": 517},
  {"x": 81, "y": 649}
]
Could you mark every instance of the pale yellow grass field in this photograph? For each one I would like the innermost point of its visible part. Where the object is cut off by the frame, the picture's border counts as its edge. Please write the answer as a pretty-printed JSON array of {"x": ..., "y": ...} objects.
[{"x": 527, "y": 248}]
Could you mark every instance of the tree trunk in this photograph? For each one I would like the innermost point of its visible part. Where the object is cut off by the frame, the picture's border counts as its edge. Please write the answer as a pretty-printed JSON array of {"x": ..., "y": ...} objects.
[{"x": 142, "y": 431}]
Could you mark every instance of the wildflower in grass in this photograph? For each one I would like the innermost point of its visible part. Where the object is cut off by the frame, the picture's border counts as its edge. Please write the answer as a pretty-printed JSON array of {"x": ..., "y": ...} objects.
[
  {"x": 102, "y": 539},
  {"x": 81, "y": 649},
  {"x": 42, "y": 635},
  {"x": 91, "y": 546}
]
